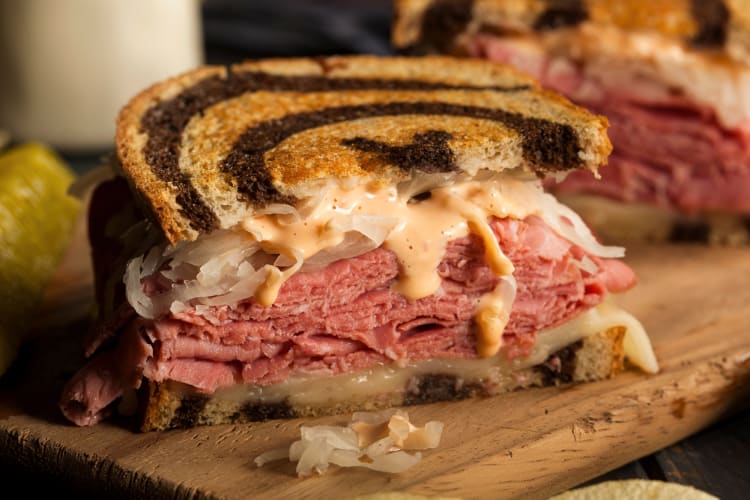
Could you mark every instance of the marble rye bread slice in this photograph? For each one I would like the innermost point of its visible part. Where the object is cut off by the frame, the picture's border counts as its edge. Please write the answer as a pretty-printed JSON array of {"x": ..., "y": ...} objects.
[
  {"x": 424, "y": 26},
  {"x": 207, "y": 148}
]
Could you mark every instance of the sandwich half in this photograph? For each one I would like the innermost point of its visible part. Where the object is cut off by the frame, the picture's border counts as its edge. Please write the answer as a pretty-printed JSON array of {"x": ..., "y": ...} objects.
[
  {"x": 314, "y": 236},
  {"x": 673, "y": 78}
]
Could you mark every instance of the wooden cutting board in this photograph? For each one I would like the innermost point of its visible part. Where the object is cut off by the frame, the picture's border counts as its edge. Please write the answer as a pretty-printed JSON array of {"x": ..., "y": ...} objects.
[{"x": 694, "y": 301}]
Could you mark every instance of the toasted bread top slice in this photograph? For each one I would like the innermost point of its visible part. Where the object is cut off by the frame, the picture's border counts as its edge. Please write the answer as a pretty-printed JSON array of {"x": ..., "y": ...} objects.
[
  {"x": 713, "y": 25},
  {"x": 209, "y": 147}
]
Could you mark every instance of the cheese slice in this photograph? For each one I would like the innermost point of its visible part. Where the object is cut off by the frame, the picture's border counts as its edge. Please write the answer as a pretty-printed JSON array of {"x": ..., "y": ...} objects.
[{"x": 388, "y": 379}]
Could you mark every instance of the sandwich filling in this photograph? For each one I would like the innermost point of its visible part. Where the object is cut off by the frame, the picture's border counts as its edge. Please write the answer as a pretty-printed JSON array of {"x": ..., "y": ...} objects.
[
  {"x": 442, "y": 268},
  {"x": 329, "y": 220},
  {"x": 680, "y": 117}
]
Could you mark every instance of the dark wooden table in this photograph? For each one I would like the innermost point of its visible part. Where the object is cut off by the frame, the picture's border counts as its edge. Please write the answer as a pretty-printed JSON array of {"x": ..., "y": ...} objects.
[{"x": 716, "y": 460}]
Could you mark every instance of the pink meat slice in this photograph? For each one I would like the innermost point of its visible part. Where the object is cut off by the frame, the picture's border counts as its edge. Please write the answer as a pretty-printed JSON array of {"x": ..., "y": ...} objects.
[
  {"x": 87, "y": 396},
  {"x": 670, "y": 158},
  {"x": 346, "y": 318},
  {"x": 668, "y": 150}
]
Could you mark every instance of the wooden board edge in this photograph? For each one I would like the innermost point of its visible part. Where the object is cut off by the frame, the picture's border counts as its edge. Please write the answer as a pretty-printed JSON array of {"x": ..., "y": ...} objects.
[
  {"x": 708, "y": 391},
  {"x": 86, "y": 472}
]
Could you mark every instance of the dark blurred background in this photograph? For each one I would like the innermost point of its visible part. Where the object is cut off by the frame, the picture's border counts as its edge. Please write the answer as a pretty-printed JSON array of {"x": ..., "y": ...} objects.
[{"x": 238, "y": 29}]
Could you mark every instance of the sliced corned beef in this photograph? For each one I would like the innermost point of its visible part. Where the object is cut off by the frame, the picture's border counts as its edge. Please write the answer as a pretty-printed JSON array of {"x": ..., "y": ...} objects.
[
  {"x": 346, "y": 318},
  {"x": 674, "y": 158},
  {"x": 669, "y": 151}
]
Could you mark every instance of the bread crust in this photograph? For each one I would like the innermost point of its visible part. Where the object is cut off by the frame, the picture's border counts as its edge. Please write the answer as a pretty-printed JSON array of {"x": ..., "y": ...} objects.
[
  {"x": 596, "y": 357},
  {"x": 159, "y": 196},
  {"x": 212, "y": 154}
]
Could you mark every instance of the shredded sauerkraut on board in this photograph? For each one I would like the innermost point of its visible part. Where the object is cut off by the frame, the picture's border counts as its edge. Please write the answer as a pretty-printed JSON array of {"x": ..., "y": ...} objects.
[{"x": 375, "y": 441}]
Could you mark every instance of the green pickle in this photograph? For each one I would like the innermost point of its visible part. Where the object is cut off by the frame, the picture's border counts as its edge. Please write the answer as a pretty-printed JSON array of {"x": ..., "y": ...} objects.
[{"x": 37, "y": 216}]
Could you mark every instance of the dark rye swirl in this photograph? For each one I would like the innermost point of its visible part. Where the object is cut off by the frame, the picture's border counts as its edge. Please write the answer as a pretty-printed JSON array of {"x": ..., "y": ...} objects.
[
  {"x": 435, "y": 25},
  {"x": 207, "y": 147}
]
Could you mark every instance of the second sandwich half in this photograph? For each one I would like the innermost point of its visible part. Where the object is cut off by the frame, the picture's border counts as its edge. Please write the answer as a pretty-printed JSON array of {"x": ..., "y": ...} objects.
[
  {"x": 673, "y": 78},
  {"x": 328, "y": 235}
]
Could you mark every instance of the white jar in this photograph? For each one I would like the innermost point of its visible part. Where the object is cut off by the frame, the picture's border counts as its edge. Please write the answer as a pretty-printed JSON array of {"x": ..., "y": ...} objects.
[{"x": 68, "y": 66}]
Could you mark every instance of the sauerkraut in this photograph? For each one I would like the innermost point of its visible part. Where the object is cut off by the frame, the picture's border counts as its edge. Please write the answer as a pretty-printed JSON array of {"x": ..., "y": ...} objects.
[
  {"x": 231, "y": 265},
  {"x": 376, "y": 441}
]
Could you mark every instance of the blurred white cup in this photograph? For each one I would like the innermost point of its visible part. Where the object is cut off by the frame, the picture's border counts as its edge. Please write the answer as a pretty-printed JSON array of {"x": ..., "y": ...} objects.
[{"x": 68, "y": 66}]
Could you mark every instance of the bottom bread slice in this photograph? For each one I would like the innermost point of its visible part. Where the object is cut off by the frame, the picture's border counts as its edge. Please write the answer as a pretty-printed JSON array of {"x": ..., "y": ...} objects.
[
  {"x": 169, "y": 405},
  {"x": 616, "y": 222}
]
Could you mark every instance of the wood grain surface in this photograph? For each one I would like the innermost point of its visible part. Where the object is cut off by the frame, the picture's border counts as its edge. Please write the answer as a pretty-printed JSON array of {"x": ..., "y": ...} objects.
[{"x": 694, "y": 301}]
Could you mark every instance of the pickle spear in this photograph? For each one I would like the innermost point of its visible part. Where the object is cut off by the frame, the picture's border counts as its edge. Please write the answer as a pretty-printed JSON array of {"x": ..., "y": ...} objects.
[{"x": 37, "y": 217}]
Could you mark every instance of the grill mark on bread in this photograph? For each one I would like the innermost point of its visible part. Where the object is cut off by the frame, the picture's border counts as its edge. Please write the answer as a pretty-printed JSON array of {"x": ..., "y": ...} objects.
[
  {"x": 165, "y": 122},
  {"x": 547, "y": 145},
  {"x": 429, "y": 152},
  {"x": 561, "y": 14},
  {"x": 712, "y": 17}
]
